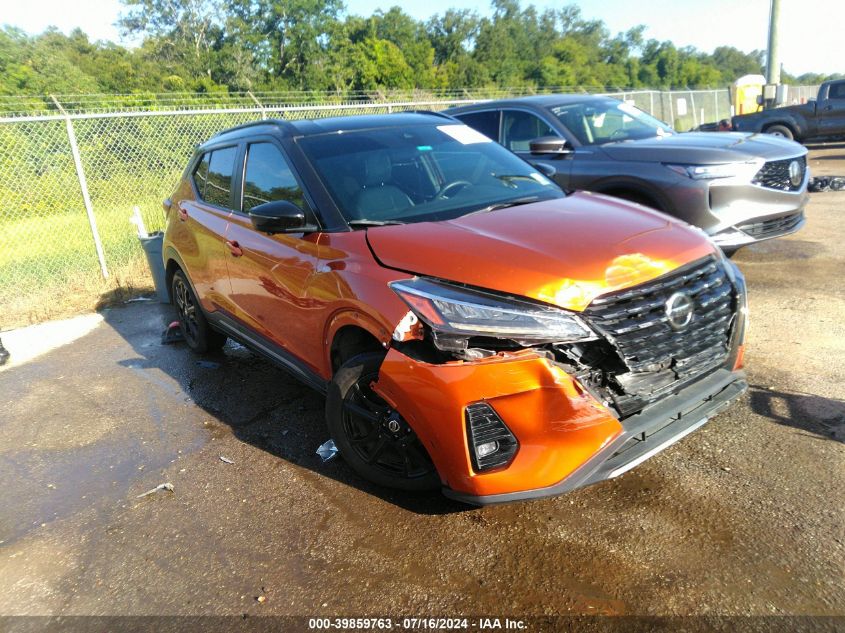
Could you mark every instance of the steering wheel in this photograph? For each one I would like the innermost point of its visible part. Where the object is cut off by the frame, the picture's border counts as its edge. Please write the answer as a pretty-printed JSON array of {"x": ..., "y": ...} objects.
[{"x": 449, "y": 187}]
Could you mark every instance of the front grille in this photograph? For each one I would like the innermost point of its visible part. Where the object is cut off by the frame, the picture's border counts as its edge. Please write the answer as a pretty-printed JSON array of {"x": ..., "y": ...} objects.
[
  {"x": 775, "y": 174},
  {"x": 636, "y": 323},
  {"x": 772, "y": 227}
]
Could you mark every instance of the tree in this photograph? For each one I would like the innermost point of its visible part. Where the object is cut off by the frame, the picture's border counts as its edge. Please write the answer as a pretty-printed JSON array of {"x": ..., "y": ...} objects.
[
  {"x": 453, "y": 34},
  {"x": 219, "y": 45},
  {"x": 185, "y": 28},
  {"x": 291, "y": 37}
]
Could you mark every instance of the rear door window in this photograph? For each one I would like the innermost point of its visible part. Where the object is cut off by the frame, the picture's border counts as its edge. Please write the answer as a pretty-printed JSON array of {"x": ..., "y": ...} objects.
[
  {"x": 485, "y": 122},
  {"x": 218, "y": 188},
  {"x": 268, "y": 177}
]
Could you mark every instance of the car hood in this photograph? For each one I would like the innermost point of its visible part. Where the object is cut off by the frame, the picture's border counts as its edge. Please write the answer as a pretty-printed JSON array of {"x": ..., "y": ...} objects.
[
  {"x": 705, "y": 148},
  {"x": 564, "y": 252}
]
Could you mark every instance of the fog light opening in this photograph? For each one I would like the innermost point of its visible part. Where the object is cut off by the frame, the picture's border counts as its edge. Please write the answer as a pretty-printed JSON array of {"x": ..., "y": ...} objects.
[{"x": 491, "y": 443}]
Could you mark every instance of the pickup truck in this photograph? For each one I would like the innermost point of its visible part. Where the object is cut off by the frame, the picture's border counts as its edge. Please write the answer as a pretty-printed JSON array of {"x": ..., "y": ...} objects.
[{"x": 821, "y": 119}]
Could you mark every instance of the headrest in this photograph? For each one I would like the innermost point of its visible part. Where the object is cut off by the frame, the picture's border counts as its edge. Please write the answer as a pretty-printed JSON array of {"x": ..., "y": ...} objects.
[{"x": 377, "y": 169}]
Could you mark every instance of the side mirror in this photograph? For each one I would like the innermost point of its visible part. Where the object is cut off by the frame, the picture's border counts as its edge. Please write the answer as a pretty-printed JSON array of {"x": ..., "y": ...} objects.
[
  {"x": 280, "y": 216},
  {"x": 550, "y": 145}
]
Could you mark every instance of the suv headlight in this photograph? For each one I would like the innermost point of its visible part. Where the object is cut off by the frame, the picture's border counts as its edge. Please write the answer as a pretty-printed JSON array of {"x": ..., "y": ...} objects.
[
  {"x": 725, "y": 170},
  {"x": 459, "y": 311}
]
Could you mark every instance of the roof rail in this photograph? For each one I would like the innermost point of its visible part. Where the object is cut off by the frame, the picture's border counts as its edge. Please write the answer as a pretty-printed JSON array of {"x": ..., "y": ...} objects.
[{"x": 276, "y": 122}]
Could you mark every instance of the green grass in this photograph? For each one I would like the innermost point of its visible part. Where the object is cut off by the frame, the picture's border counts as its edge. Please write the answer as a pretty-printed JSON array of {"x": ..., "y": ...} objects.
[{"x": 49, "y": 265}]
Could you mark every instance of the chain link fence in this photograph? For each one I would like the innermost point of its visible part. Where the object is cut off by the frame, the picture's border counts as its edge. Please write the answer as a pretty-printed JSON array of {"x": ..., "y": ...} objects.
[
  {"x": 65, "y": 232},
  {"x": 71, "y": 176}
]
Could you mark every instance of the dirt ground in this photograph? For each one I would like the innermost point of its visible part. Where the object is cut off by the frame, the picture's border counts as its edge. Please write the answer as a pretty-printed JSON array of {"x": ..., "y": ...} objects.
[{"x": 744, "y": 517}]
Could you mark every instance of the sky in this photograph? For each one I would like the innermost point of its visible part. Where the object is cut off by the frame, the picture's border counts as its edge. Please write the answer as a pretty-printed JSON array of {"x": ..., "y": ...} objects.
[{"x": 810, "y": 29}]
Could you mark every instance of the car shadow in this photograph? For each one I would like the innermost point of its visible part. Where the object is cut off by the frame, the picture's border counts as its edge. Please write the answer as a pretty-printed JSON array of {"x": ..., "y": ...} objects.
[
  {"x": 822, "y": 417},
  {"x": 262, "y": 404},
  {"x": 830, "y": 145}
]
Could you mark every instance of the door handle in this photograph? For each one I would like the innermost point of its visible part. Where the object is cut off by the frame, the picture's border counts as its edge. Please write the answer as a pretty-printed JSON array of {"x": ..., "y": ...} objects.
[
  {"x": 183, "y": 213},
  {"x": 234, "y": 248},
  {"x": 828, "y": 108}
]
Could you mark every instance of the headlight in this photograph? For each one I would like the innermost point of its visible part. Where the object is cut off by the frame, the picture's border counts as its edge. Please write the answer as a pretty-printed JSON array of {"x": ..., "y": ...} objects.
[
  {"x": 726, "y": 170},
  {"x": 458, "y": 311}
]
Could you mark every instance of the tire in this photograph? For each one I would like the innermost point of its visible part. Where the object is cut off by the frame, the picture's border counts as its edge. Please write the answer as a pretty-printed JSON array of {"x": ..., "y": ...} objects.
[
  {"x": 780, "y": 130},
  {"x": 371, "y": 437},
  {"x": 196, "y": 331}
]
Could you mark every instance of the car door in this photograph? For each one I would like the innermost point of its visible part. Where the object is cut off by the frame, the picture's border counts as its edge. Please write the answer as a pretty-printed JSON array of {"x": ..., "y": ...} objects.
[
  {"x": 203, "y": 220},
  {"x": 270, "y": 274},
  {"x": 832, "y": 115},
  {"x": 519, "y": 128}
]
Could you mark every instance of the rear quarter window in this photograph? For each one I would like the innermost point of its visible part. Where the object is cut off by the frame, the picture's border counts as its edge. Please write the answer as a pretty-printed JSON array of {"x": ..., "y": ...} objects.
[{"x": 201, "y": 175}]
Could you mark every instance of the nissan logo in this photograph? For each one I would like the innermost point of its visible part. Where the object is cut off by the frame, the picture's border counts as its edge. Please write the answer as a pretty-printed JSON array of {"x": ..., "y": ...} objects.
[
  {"x": 679, "y": 309},
  {"x": 795, "y": 173}
]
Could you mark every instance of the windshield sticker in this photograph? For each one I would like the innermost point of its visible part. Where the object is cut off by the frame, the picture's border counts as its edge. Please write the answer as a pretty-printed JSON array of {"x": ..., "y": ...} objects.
[
  {"x": 424, "y": 148},
  {"x": 464, "y": 134}
]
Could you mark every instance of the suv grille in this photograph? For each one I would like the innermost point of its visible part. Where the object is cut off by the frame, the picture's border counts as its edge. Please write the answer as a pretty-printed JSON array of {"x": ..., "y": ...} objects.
[
  {"x": 636, "y": 322},
  {"x": 775, "y": 174},
  {"x": 772, "y": 227}
]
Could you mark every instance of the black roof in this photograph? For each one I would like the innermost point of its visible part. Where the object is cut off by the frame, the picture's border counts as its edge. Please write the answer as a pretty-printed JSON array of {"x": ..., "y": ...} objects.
[
  {"x": 537, "y": 101},
  {"x": 310, "y": 127}
]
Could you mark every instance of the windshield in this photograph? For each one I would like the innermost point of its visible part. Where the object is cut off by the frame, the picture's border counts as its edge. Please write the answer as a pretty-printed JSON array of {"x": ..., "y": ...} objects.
[
  {"x": 600, "y": 122},
  {"x": 421, "y": 173}
]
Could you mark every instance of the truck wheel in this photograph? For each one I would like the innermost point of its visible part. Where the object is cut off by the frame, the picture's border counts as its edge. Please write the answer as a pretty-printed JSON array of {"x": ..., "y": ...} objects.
[
  {"x": 196, "y": 331},
  {"x": 780, "y": 130},
  {"x": 373, "y": 438}
]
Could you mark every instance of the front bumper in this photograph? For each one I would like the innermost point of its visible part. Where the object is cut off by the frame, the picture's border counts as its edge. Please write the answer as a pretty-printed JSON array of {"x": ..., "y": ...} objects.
[
  {"x": 758, "y": 230},
  {"x": 644, "y": 435},
  {"x": 735, "y": 212},
  {"x": 567, "y": 438}
]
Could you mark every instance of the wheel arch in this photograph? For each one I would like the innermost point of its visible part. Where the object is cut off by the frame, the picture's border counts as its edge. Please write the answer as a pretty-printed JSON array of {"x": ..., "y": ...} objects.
[
  {"x": 350, "y": 333},
  {"x": 788, "y": 124},
  {"x": 636, "y": 191},
  {"x": 172, "y": 263}
]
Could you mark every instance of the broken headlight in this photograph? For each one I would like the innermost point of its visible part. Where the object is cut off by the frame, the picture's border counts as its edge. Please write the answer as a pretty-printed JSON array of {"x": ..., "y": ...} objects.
[{"x": 460, "y": 313}]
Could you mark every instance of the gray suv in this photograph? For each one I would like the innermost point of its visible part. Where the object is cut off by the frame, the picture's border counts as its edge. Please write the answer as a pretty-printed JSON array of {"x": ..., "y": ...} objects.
[{"x": 739, "y": 188}]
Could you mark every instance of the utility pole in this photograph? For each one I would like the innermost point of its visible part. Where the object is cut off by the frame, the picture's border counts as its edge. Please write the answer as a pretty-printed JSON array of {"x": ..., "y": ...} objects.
[{"x": 772, "y": 58}]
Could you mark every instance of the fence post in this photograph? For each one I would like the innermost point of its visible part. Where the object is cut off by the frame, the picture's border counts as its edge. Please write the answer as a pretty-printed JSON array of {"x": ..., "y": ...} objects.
[
  {"x": 258, "y": 103},
  {"x": 671, "y": 111},
  {"x": 692, "y": 105},
  {"x": 83, "y": 185}
]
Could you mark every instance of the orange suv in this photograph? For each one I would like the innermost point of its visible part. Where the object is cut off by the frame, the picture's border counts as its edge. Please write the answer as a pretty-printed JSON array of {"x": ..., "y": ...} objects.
[{"x": 472, "y": 326}]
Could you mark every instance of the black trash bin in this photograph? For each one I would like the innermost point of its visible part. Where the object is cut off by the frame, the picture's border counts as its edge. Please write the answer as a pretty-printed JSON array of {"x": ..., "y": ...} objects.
[{"x": 152, "y": 249}]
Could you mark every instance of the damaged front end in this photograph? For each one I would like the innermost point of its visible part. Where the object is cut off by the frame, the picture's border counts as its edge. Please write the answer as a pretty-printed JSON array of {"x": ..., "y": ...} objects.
[{"x": 551, "y": 390}]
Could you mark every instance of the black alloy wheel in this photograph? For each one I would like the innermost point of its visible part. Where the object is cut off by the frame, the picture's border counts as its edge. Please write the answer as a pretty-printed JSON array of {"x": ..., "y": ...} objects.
[
  {"x": 373, "y": 437},
  {"x": 198, "y": 334}
]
